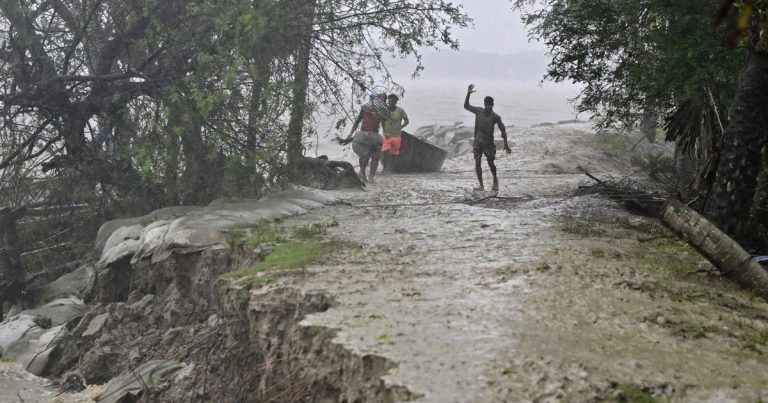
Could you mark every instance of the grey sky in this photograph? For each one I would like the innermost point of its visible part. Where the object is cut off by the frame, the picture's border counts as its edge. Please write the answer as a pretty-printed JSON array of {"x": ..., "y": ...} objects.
[
  {"x": 497, "y": 28},
  {"x": 497, "y": 44}
]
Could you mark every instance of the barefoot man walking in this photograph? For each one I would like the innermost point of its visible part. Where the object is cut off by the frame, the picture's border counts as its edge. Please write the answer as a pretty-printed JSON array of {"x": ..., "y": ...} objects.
[{"x": 485, "y": 119}]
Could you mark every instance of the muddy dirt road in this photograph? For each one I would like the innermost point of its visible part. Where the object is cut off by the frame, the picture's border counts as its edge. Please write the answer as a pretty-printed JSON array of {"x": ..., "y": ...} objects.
[{"x": 536, "y": 295}]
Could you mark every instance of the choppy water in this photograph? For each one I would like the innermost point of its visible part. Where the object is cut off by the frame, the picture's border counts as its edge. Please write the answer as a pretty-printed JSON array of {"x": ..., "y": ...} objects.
[{"x": 430, "y": 102}]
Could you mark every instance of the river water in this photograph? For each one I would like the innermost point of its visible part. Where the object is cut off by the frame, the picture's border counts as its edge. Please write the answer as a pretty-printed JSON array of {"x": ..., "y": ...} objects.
[{"x": 440, "y": 101}]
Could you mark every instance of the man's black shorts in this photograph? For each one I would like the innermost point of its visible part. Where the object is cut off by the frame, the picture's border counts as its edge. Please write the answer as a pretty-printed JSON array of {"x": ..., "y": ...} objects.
[{"x": 487, "y": 149}]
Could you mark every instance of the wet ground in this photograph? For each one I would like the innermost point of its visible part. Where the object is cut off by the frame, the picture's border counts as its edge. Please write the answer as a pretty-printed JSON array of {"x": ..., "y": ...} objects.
[
  {"x": 19, "y": 386},
  {"x": 534, "y": 295},
  {"x": 16, "y": 385}
]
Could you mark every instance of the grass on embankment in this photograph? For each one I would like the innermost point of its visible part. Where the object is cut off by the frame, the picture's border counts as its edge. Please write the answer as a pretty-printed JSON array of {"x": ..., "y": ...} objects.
[
  {"x": 292, "y": 249},
  {"x": 655, "y": 249},
  {"x": 700, "y": 302}
]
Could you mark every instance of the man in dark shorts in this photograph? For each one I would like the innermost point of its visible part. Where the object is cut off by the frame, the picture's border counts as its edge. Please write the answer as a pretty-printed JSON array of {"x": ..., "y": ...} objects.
[
  {"x": 485, "y": 119},
  {"x": 367, "y": 142}
]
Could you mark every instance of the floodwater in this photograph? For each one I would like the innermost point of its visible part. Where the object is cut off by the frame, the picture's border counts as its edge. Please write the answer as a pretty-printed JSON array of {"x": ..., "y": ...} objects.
[
  {"x": 440, "y": 102},
  {"x": 535, "y": 295},
  {"x": 19, "y": 386},
  {"x": 16, "y": 385}
]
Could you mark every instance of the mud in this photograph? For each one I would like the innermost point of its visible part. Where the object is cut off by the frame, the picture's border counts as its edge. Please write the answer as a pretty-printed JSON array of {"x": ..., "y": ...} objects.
[
  {"x": 535, "y": 295},
  {"x": 439, "y": 294}
]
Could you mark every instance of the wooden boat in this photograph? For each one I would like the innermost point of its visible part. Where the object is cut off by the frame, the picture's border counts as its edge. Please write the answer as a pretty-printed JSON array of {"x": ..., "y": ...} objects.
[{"x": 417, "y": 155}]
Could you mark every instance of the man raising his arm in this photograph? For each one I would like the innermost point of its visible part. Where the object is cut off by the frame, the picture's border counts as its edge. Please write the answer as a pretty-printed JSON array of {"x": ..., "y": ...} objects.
[{"x": 485, "y": 119}]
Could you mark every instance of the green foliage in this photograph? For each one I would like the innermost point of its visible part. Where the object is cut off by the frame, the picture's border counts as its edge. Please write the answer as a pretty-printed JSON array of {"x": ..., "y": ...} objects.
[
  {"x": 265, "y": 233},
  {"x": 271, "y": 234},
  {"x": 642, "y": 227},
  {"x": 636, "y": 394},
  {"x": 313, "y": 230},
  {"x": 584, "y": 229},
  {"x": 613, "y": 143},
  {"x": 238, "y": 180},
  {"x": 657, "y": 164},
  {"x": 758, "y": 242},
  {"x": 760, "y": 337},
  {"x": 128, "y": 106},
  {"x": 146, "y": 160},
  {"x": 284, "y": 258},
  {"x": 358, "y": 38},
  {"x": 176, "y": 81},
  {"x": 633, "y": 56}
]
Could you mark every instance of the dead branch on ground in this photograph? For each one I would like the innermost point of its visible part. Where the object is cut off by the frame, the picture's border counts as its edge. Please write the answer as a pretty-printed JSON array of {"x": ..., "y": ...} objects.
[{"x": 626, "y": 191}]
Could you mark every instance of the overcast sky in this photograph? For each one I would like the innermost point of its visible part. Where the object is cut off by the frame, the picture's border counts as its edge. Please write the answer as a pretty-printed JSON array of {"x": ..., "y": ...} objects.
[
  {"x": 496, "y": 46},
  {"x": 497, "y": 29}
]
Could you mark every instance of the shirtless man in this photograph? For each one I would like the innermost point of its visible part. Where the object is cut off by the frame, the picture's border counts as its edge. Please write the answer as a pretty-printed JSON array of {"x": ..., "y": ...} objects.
[{"x": 485, "y": 119}]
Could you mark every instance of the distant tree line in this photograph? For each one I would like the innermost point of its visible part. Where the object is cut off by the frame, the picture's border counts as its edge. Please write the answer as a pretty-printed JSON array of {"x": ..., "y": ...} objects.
[{"x": 698, "y": 68}]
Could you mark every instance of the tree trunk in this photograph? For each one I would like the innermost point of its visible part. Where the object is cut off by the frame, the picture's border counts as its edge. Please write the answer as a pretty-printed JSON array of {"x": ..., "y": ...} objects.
[
  {"x": 185, "y": 123},
  {"x": 301, "y": 82},
  {"x": 171, "y": 170},
  {"x": 260, "y": 81},
  {"x": 11, "y": 269},
  {"x": 758, "y": 226},
  {"x": 739, "y": 165},
  {"x": 74, "y": 136},
  {"x": 685, "y": 167},
  {"x": 648, "y": 124},
  {"x": 727, "y": 255}
]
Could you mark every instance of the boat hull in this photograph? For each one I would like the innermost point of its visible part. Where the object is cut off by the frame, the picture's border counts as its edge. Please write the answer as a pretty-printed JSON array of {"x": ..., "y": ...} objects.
[{"x": 417, "y": 155}]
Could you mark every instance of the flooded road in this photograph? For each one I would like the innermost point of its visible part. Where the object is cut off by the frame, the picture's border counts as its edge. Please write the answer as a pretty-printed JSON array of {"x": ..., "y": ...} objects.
[{"x": 535, "y": 295}]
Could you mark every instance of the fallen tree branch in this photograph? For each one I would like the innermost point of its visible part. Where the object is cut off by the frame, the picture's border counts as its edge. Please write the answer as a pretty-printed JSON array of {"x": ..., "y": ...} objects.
[
  {"x": 593, "y": 177},
  {"x": 725, "y": 253},
  {"x": 624, "y": 190}
]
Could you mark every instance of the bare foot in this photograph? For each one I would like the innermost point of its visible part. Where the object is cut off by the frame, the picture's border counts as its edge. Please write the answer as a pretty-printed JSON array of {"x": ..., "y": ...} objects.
[
  {"x": 479, "y": 189},
  {"x": 495, "y": 187}
]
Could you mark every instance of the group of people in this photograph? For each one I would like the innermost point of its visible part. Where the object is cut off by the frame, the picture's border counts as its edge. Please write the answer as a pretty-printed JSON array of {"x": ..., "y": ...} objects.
[{"x": 382, "y": 111}]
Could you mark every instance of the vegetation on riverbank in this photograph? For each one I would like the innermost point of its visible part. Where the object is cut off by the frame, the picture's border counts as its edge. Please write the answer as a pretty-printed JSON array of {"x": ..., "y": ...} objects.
[{"x": 286, "y": 250}]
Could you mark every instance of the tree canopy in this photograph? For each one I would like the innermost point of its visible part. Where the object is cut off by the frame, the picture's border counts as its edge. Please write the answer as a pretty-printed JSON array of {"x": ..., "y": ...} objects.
[
  {"x": 118, "y": 107},
  {"x": 631, "y": 56},
  {"x": 163, "y": 89},
  {"x": 684, "y": 60}
]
